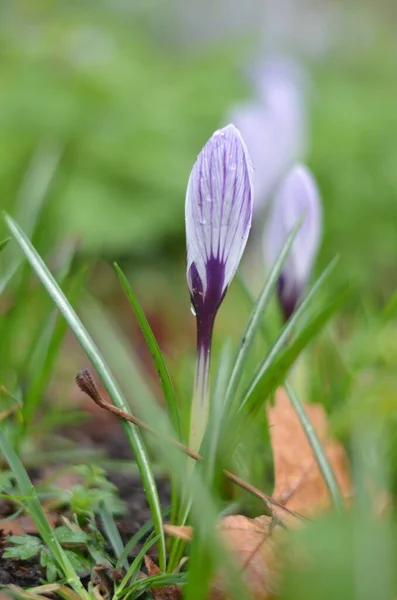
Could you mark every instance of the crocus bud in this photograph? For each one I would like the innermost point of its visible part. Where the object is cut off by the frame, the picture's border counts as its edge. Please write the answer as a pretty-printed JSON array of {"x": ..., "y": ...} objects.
[
  {"x": 218, "y": 219},
  {"x": 273, "y": 124},
  {"x": 297, "y": 198}
]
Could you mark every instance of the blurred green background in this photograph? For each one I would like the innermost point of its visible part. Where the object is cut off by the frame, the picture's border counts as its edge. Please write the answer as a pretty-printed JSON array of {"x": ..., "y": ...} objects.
[{"x": 130, "y": 102}]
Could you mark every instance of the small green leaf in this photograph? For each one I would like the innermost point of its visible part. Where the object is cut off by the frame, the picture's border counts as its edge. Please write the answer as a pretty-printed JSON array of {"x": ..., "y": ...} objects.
[
  {"x": 21, "y": 552},
  {"x": 77, "y": 560},
  {"x": 52, "y": 572},
  {"x": 66, "y": 536},
  {"x": 25, "y": 547},
  {"x": 30, "y": 540},
  {"x": 47, "y": 560}
]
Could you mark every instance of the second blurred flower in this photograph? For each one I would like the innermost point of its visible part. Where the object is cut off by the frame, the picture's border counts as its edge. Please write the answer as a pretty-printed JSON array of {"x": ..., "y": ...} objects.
[{"x": 297, "y": 198}]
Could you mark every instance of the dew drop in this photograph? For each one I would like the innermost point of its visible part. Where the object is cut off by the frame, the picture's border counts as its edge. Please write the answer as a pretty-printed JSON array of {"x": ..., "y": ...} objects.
[
  {"x": 209, "y": 199},
  {"x": 202, "y": 221},
  {"x": 233, "y": 167},
  {"x": 192, "y": 310}
]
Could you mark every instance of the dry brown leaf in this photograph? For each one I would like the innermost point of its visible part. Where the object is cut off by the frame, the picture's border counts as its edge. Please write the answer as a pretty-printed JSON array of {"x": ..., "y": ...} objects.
[
  {"x": 252, "y": 543},
  {"x": 168, "y": 592},
  {"x": 182, "y": 532},
  {"x": 299, "y": 484}
]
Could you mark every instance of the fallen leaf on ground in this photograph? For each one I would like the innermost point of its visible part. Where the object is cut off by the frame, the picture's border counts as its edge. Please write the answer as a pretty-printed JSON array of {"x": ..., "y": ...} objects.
[
  {"x": 24, "y": 524},
  {"x": 252, "y": 544},
  {"x": 182, "y": 532},
  {"x": 299, "y": 483},
  {"x": 167, "y": 592}
]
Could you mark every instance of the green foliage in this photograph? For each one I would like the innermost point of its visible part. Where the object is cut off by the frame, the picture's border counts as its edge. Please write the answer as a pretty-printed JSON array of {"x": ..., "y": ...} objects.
[
  {"x": 112, "y": 387},
  {"x": 75, "y": 542},
  {"x": 158, "y": 359},
  {"x": 25, "y": 547},
  {"x": 120, "y": 102},
  {"x": 353, "y": 151},
  {"x": 347, "y": 556}
]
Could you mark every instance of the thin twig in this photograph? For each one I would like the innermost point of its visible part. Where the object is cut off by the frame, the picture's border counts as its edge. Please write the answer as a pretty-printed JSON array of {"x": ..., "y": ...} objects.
[{"x": 87, "y": 385}]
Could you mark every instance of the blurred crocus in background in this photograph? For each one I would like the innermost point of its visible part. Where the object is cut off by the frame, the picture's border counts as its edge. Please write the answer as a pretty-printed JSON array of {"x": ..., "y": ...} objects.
[
  {"x": 273, "y": 124},
  {"x": 218, "y": 215},
  {"x": 297, "y": 198}
]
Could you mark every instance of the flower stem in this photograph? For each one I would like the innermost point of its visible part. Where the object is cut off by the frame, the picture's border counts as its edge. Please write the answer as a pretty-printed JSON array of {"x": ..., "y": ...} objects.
[{"x": 200, "y": 407}]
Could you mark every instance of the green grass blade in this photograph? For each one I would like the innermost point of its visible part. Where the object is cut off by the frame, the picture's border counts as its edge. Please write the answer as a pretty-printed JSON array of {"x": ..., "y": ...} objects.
[
  {"x": 148, "y": 526},
  {"x": 105, "y": 374},
  {"x": 277, "y": 372},
  {"x": 157, "y": 356},
  {"x": 4, "y": 243},
  {"x": 133, "y": 570},
  {"x": 54, "y": 334},
  {"x": 287, "y": 331},
  {"x": 31, "y": 197},
  {"x": 280, "y": 367},
  {"x": 112, "y": 533},
  {"x": 317, "y": 447},
  {"x": 203, "y": 513},
  {"x": 36, "y": 511},
  {"x": 256, "y": 316},
  {"x": 156, "y": 581}
]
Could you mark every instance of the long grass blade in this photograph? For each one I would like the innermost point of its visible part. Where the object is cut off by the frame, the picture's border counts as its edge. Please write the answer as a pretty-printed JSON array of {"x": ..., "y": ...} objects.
[
  {"x": 104, "y": 372},
  {"x": 256, "y": 316},
  {"x": 48, "y": 349},
  {"x": 112, "y": 533},
  {"x": 287, "y": 331},
  {"x": 32, "y": 195},
  {"x": 154, "y": 348},
  {"x": 317, "y": 447},
  {"x": 133, "y": 570},
  {"x": 144, "y": 530}
]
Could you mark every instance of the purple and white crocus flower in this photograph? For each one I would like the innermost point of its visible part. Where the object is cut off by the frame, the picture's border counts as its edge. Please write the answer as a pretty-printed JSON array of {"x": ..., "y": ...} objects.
[
  {"x": 218, "y": 214},
  {"x": 297, "y": 198},
  {"x": 273, "y": 124}
]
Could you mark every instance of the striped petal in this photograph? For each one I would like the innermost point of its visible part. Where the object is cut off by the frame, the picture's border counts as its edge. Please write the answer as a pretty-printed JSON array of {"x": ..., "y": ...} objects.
[{"x": 218, "y": 217}]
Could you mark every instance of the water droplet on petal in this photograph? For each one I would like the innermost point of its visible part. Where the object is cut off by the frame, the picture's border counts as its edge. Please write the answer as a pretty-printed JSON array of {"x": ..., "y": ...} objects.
[
  {"x": 233, "y": 167},
  {"x": 209, "y": 199},
  {"x": 192, "y": 310},
  {"x": 202, "y": 221}
]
